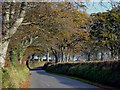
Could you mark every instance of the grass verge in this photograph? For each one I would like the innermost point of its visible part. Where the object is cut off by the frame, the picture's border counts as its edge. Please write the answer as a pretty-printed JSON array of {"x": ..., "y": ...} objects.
[
  {"x": 14, "y": 76},
  {"x": 37, "y": 64}
]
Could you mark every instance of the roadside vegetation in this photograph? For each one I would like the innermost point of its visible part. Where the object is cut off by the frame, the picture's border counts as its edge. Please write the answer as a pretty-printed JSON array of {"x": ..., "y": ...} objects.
[
  {"x": 0, "y": 78},
  {"x": 104, "y": 72},
  {"x": 14, "y": 77},
  {"x": 63, "y": 32}
]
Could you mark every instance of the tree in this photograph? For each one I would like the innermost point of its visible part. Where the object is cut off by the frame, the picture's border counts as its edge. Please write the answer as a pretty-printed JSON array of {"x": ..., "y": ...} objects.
[
  {"x": 59, "y": 23},
  {"x": 105, "y": 30},
  {"x": 12, "y": 19}
]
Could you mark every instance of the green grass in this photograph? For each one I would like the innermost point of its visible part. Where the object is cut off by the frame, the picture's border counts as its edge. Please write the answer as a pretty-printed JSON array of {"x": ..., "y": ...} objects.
[
  {"x": 37, "y": 64},
  {"x": 15, "y": 75}
]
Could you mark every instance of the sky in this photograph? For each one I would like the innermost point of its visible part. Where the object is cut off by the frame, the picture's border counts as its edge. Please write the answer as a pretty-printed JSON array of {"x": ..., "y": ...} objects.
[{"x": 94, "y": 7}]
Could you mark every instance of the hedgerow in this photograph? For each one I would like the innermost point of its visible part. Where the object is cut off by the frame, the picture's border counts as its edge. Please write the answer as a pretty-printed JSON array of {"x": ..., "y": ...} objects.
[{"x": 104, "y": 72}]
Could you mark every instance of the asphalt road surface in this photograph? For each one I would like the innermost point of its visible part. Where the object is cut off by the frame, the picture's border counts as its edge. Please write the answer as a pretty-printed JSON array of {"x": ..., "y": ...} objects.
[{"x": 42, "y": 79}]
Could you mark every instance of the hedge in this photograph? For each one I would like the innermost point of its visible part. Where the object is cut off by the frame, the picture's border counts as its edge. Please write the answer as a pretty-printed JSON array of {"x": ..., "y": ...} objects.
[{"x": 104, "y": 72}]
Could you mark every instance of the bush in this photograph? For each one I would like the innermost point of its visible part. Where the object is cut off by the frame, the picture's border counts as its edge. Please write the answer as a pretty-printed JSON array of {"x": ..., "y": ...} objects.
[{"x": 105, "y": 72}]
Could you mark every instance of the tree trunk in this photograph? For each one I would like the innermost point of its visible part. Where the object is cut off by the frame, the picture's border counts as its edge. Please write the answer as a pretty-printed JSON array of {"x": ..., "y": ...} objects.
[
  {"x": 119, "y": 54},
  {"x": 96, "y": 55},
  {"x": 112, "y": 55},
  {"x": 78, "y": 58},
  {"x": 73, "y": 56},
  {"x": 47, "y": 55},
  {"x": 60, "y": 59},
  {"x": 3, "y": 51},
  {"x": 55, "y": 54},
  {"x": 68, "y": 55},
  {"x": 39, "y": 58},
  {"x": 22, "y": 53},
  {"x": 62, "y": 54},
  {"x": 89, "y": 56},
  {"x": 101, "y": 56},
  {"x": 9, "y": 31}
]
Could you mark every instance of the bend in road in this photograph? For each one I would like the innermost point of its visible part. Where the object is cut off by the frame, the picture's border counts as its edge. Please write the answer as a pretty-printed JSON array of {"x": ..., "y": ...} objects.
[{"x": 42, "y": 79}]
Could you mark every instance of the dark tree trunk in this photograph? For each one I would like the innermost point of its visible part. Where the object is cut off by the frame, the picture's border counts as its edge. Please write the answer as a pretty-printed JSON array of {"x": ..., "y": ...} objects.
[
  {"x": 112, "y": 55},
  {"x": 89, "y": 56},
  {"x": 47, "y": 55},
  {"x": 27, "y": 64},
  {"x": 73, "y": 56},
  {"x": 96, "y": 55},
  {"x": 62, "y": 54},
  {"x": 55, "y": 54},
  {"x": 119, "y": 54}
]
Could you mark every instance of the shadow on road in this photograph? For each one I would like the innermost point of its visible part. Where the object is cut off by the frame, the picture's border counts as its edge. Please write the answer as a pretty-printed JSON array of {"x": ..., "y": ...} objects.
[
  {"x": 70, "y": 83},
  {"x": 60, "y": 81}
]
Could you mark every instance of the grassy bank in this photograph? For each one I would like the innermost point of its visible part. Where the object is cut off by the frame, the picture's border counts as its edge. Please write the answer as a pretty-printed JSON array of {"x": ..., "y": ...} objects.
[
  {"x": 17, "y": 76},
  {"x": 105, "y": 72},
  {"x": 37, "y": 64},
  {"x": 14, "y": 76}
]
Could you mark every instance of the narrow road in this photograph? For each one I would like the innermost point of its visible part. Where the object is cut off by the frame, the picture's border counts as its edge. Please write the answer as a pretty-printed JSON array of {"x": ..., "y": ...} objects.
[{"x": 42, "y": 79}]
